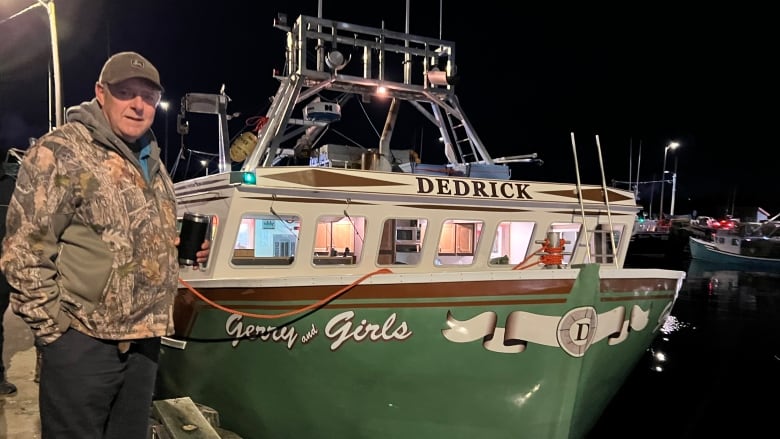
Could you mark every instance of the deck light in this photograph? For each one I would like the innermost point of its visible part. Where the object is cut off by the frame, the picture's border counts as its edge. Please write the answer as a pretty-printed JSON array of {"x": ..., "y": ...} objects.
[{"x": 243, "y": 177}]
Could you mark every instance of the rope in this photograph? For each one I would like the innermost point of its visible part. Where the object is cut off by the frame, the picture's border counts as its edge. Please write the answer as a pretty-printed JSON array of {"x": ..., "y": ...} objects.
[
  {"x": 548, "y": 255},
  {"x": 553, "y": 255}
]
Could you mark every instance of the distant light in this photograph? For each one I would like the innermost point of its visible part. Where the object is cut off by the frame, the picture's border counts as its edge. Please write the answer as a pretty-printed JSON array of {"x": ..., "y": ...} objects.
[
  {"x": 204, "y": 162},
  {"x": 382, "y": 90},
  {"x": 164, "y": 105}
]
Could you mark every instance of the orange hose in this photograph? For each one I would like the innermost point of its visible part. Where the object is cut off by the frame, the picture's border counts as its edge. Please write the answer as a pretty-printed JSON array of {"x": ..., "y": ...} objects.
[
  {"x": 288, "y": 313},
  {"x": 520, "y": 265}
]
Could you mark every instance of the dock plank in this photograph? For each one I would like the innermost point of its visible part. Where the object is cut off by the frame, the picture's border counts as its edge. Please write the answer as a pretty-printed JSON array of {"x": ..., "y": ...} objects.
[{"x": 182, "y": 419}]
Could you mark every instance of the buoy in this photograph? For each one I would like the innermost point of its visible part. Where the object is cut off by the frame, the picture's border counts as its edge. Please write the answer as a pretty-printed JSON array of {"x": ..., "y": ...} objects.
[{"x": 243, "y": 146}]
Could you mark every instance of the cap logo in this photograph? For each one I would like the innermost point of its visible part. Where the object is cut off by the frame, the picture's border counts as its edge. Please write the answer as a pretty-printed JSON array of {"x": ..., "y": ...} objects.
[{"x": 137, "y": 63}]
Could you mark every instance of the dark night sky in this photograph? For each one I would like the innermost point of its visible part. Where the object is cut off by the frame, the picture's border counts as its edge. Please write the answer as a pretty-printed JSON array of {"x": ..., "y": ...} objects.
[{"x": 528, "y": 78}]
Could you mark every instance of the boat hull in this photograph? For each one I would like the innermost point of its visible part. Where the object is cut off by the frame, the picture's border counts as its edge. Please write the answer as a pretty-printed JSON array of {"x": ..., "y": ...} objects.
[
  {"x": 537, "y": 356},
  {"x": 706, "y": 251}
]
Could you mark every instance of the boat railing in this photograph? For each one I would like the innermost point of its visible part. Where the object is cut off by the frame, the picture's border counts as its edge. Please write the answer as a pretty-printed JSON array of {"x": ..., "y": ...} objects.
[{"x": 428, "y": 74}]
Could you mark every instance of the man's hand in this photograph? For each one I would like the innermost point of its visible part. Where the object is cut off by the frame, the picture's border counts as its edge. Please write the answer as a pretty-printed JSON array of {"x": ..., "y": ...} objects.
[{"x": 202, "y": 255}]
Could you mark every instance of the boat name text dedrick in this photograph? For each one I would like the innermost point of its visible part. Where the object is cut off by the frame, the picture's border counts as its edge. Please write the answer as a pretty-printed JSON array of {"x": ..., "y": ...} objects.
[{"x": 479, "y": 189}]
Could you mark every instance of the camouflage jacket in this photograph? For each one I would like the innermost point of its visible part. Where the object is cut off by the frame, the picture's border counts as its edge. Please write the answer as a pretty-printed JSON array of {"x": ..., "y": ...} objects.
[{"x": 90, "y": 241}]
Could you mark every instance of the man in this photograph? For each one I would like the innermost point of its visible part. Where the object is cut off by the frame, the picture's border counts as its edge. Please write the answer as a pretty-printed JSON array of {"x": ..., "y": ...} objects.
[
  {"x": 91, "y": 253},
  {"x": 6, "y": 189}
]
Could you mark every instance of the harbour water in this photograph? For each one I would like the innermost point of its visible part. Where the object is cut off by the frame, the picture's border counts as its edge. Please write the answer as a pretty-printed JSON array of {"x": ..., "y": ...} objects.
[{"x": 715, "y": 371}]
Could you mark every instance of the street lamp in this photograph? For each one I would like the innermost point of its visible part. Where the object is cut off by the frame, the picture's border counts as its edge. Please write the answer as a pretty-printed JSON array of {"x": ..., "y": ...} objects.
[
  {"x": 164, "y": 105},
  {"x": 672, "y": 145}
]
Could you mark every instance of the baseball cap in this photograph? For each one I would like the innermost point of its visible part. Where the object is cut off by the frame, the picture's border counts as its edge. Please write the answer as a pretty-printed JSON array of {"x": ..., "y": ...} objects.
[{"x": 126, "y": 65}]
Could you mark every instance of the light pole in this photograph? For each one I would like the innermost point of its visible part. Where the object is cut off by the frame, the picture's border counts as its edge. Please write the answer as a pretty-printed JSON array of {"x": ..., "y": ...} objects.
[
  {"x": 674, "y": 186},
  {"x": 674, "y": 191},
  {"x": 54, "y": 71},
  {"x": 672, "y": 145},
  {"x": 164, "y": 105},
  {"x": 55, "y": 60}
]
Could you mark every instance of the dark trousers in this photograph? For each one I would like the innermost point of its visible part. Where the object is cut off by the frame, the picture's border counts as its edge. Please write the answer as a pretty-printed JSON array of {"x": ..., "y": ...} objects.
[
  {"x": 5, "y": 295},
  {"x": 89, "y": 390}
]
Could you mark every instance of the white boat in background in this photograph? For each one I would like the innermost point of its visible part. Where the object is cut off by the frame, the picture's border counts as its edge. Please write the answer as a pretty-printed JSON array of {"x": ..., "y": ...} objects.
[{"x": 359, "y": 293}]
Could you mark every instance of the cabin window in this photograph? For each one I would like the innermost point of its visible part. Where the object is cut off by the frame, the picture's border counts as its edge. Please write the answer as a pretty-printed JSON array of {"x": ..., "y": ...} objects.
[
  {"x": 339, "y": 240},
  {"x": 569, "y": 232},
  {"x": 511, "y": 242},
  {"x": 458, "y": 242},
  {"x": 402, "y": 241},
  {"x": 601, "y": 242},
  {"x": 266, "y": 239}
]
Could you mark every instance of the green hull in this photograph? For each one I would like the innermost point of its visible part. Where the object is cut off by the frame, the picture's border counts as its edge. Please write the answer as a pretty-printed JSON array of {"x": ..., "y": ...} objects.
[{"x": 413, "y": 374}]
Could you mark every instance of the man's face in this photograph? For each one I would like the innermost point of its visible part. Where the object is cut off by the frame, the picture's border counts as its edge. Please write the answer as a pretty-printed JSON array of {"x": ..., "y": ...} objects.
[{"x": 129, "y": 106}]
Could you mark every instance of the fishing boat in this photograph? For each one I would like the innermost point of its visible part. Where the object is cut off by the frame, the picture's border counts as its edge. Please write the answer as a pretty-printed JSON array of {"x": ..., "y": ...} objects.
[
  {"x": 667, "y": 240},
  {"x": 363, "y": 293},
  {"x": 749, "y": 244}
]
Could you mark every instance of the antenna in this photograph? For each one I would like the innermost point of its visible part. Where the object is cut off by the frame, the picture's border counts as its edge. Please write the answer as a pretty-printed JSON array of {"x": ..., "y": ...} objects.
[
  {"x": 638, "y": 162},
  {"x": 579, "y": 196},
  {"x": 606, "y": 200},
  {"x": 630, "y": 160},
  {"x": 440, "y": 17}
]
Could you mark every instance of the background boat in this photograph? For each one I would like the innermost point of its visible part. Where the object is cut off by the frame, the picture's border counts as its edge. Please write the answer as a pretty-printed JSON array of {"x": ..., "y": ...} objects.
[{"x": 748, "y": 245}]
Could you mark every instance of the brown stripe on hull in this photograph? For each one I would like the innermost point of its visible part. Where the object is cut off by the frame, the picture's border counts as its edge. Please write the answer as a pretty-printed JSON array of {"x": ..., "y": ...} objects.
[
  {"x": 396, "y": 291},
  {"x": 279, "y": 199},
  {"x": 322, "y": 178},
  {"x": 276, "y": 198},
  {"x": 590, "y": 195},
  {"x": 339, "y": 304},
  {"x": 198, "y": 200},
  {"x": 587, "y": 212},
  {"x": 461, "y": 289},
  {"x": 459, "y": 207},
  {"x": 635, "y": 297}
]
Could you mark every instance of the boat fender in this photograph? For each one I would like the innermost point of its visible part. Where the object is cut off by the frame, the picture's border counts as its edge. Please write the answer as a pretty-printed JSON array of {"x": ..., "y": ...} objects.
[{"x": 243, "y": 146}]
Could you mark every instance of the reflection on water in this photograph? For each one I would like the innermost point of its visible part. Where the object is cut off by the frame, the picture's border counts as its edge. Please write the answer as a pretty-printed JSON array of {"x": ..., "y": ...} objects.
[{"x": 712, "y": 366}]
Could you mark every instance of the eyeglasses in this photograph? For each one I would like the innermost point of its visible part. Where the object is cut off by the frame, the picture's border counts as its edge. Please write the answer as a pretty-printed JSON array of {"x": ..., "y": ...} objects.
[{"x": 126, "y": 93}]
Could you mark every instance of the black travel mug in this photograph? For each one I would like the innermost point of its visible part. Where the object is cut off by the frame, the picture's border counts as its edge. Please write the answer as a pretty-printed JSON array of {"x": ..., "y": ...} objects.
[{"x": 192, "y": 235}]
